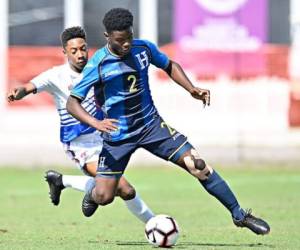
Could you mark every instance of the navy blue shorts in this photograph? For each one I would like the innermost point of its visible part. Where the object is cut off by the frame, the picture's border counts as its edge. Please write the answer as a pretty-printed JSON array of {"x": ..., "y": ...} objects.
[{"x": 159, "y": 139}]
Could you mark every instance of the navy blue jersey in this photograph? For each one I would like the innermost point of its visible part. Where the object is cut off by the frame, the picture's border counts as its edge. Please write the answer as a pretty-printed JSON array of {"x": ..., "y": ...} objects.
[{"x": 121, "y": 86}]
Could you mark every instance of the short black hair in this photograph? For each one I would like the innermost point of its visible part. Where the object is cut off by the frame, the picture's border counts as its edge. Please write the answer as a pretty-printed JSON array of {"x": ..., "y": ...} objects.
[
  {"x": 70, "y": 33},
  {"x": 117, "y": 19}
]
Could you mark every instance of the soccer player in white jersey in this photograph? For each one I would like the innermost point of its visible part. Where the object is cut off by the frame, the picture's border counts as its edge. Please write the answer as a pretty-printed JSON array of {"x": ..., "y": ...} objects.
[{"x": 81, "y": 143}]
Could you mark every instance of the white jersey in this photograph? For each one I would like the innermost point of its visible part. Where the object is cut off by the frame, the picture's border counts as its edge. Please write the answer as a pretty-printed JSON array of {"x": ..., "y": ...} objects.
[{"x": 58, "y": 81}]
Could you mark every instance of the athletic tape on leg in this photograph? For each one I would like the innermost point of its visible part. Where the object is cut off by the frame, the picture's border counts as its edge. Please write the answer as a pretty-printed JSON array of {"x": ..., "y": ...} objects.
[{"x": 196, "y": 166}]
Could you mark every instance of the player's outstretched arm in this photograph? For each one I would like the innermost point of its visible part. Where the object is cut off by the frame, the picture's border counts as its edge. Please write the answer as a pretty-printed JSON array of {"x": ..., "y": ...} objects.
[
  {"x": 75, "y": 109},
  {"x": 20, "y": 92},
  {"x": 175, "y": 71}
]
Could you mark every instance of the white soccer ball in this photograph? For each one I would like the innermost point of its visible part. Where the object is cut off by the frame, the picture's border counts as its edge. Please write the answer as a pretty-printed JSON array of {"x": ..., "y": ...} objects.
[{"x": 162, "y": 231}]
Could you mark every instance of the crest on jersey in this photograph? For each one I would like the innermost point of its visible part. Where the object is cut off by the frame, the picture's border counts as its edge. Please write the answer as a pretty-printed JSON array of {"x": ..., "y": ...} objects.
[{"x": 143, "y": 59}]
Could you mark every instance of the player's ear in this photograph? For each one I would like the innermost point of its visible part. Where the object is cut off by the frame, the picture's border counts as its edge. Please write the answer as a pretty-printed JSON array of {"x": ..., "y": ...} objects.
[{"x": 106, "y": 36}]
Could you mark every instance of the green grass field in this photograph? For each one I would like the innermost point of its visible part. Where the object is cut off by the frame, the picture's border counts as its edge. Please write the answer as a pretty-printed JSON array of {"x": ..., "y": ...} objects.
[{"x": 29, "y": 221}]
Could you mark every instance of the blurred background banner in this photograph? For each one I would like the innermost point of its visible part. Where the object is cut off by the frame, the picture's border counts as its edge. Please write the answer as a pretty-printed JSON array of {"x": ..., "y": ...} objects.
[
  {"x": 221, "y": 25},
  {"x": 225, "y": 37},
  {"x": 245, "y": 51}
]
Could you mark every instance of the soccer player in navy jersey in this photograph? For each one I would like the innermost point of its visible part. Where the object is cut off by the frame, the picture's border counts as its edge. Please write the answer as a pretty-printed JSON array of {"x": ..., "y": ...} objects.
[{"x": 119, "y": 74}]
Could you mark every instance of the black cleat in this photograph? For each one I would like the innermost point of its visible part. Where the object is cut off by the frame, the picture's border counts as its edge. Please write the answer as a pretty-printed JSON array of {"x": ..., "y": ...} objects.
[
  {"x": 88, "y": 206},
  {"x": 54, "y": 180},
  {"x": 256, "y": 225}
]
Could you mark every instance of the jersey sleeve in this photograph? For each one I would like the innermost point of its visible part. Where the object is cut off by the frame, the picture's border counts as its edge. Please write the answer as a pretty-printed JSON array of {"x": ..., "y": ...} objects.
[
  {"x": 158, "y": 58},
  {"x": 87, "y": 80},
  {"x": 43, "y": 81}
]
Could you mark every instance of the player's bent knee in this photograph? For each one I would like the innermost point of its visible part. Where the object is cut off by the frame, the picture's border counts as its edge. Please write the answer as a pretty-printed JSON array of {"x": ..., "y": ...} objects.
[
  {"x": 199, "y": 164},
  {"x": 130, "y": 194},
  {"x": 196, "y": 166},
  {"x": 106, "y": 201},
  {"x": 103, "y": 198},
  {"x": 127, "y": 193}
]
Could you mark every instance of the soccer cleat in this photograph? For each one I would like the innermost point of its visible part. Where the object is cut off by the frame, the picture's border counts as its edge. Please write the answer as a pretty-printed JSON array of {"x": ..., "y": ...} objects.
[
  {"x": 88, "y": 206},
  {"x": 256, "y": 225},
  {"x": 54, "y": 180}
]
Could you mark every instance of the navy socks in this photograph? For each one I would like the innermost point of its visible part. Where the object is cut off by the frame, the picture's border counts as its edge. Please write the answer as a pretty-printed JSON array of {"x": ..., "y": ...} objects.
[{"x": 217, "y": 187}]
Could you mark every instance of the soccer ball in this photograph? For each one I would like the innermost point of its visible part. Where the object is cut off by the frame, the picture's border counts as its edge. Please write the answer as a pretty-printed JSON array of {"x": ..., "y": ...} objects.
[{"x": 162, "y": 231}]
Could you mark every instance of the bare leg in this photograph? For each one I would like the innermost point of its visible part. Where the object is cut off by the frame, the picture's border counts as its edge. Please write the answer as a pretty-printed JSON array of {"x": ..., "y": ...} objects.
[{"x": 105, "y": 190}]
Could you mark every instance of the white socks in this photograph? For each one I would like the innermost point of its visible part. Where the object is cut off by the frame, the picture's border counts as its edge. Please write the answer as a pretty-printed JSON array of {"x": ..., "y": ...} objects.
[
  {"x": 139, "y": 208},
  {"x": 85, "y": 183},
  {"x": 78, "y": 182}
]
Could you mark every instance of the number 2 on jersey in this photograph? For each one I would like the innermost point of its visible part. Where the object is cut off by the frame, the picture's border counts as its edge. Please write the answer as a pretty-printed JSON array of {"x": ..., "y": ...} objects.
[
  {"x": 132, "y": 80},
  {"x": 171, "y": 130}
]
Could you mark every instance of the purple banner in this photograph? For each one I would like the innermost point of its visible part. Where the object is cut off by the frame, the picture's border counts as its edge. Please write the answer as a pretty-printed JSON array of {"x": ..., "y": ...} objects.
[{"x": 235, "y": 25}]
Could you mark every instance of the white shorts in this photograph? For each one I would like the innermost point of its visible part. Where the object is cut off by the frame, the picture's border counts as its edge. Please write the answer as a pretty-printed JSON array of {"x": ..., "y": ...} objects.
[{"x": 84, "y": 149}]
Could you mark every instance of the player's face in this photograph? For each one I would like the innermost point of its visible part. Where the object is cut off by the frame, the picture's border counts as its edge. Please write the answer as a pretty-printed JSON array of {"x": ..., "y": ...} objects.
[
  {"x": 119, "y": 42},
  {"x": 77, "y": 53}
]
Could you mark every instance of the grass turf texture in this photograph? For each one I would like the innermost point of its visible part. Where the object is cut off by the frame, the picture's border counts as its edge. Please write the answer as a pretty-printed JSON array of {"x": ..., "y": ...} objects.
[{"x": 29, "y": 221}]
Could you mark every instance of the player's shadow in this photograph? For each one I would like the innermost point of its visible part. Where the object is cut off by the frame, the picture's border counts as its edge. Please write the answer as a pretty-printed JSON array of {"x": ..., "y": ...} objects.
[
  {"x": 186, "y": 245},
  {"x": 254, "y": 245},
  {"x": 132, "y": 243}
]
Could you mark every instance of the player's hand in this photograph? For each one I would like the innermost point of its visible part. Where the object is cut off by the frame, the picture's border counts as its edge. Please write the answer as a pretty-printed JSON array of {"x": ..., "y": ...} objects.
[
  {"x": 107, "y": 125},
  {"x": 201, "y": 94},
  {"x": 15, "y": 94}
]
